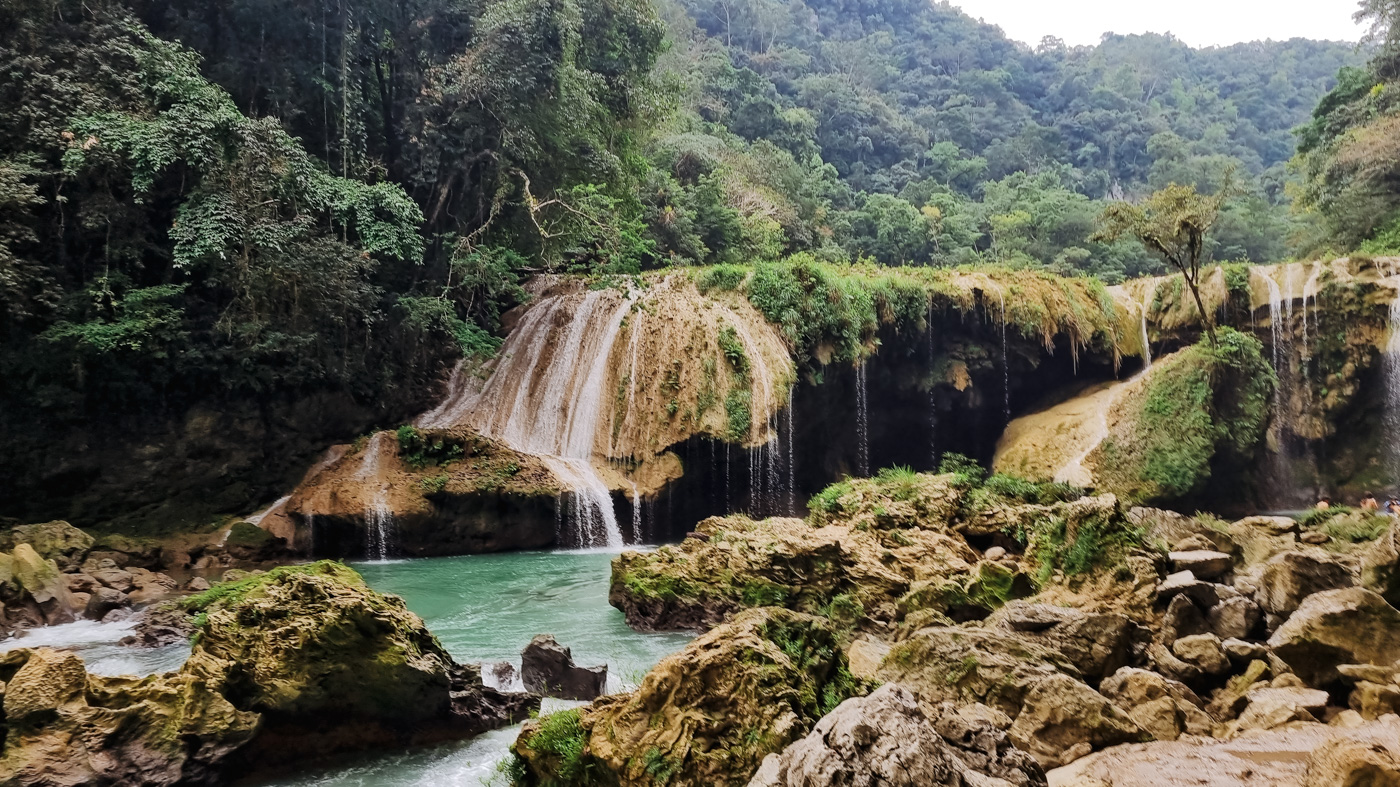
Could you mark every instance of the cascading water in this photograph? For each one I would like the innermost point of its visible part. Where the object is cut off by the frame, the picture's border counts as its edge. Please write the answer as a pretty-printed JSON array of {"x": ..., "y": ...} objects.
[
  {"x": 862, "y": 423},
  {"x": 791, "y": 453},
  {"x": 1005, "y": 362},
  {"x": 1391, "y": 365},
  {"x": 379, "y": 518},
  {"x": 1144, "y": 308},
  {"x": 932, "y": 393},
  {"x": 546, "y": 398}
]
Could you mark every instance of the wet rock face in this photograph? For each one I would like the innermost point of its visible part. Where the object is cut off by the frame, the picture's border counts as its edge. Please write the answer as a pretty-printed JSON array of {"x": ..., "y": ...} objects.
[
  {"x": 886, "y": 740},
  {"x": 547, "y": 668},
  {"x": 763, "y": 680}
]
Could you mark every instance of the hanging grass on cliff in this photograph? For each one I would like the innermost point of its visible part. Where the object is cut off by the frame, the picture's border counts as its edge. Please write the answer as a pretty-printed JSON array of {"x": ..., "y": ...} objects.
[{"x": 830, "y": 312}]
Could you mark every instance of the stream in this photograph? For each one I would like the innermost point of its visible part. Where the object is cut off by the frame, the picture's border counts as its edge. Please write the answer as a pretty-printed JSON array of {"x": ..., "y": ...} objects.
[{"x": 482, "y": 608}]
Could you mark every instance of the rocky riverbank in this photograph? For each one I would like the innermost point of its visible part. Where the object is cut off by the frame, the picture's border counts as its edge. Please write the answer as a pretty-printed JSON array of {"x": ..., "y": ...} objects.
[{"x": 1043, "y": 625}]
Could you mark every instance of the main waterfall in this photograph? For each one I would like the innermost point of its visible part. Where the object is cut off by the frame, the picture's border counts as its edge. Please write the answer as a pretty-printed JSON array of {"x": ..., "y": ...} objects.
[{"x": 545, "y": 397}]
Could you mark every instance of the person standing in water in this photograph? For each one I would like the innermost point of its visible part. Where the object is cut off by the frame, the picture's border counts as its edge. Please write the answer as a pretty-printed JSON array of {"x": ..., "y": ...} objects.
[{"x": 1368, "y": 502}]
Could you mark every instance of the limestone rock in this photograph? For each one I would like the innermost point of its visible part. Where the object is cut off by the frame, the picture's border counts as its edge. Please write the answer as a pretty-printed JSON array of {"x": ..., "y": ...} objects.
[
  {"x": 1234, "y": 618},
  {"x": 1259, "y": 538},
  {"x": 1380, "y": 565},
  {"x": 1364, "y": 757},
  {"x": 1203, "y": 651},
  {"x": 548, "y": 669},
  {"x": 1062, "y": 719},
  {"x": 1205, "y": 594},
  {"x": 58, "y": 541},
  {"x": 1290, "y": 577},
  {"x": 884, "y": 740},
  {"x": 1183, "y": 619},
  {"x": 1168, "y": 664},
  {"x": 761, "y": 679},
  {"x": 1096, "y": 644},
  {"x": 151, "y": 586},
  {"x": 1374, "y": 700},
  {"x": 1204, "y": 564},
  {"x": 1348, "y": 626},
  {"x": 40, "y": 581},
  {"x": 103, "y": 601},
  {"x": 1243, "y": 652},
  {"x": 115, "y": 578},
  {"x": 1163, "y": 708},
  {"x": 865, "y": 655},
  {"x": 197, "y": 585}
]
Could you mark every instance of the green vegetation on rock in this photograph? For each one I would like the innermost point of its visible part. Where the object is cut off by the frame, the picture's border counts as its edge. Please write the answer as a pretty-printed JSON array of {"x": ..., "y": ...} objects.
[{"x": 1201, "y": 408}]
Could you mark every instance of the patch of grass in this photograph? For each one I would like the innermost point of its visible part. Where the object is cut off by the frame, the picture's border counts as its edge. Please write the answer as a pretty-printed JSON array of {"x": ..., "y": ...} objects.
[
  {"x": 562, "y": 740},
  {"x": 737, "y": 408},
  {"x": 733, "y": 350},
  {"x": 659, "y": 767},
  {"x": 1316, "y": 518},
  {"x": 966, "y": 469},
  {"x": 723, "y": 278},
  {"x": 844, "y": 610},
  {"x": 434, "y": 484},
  {"x": 761, "y": 593},
  {"x": 1357, "y": 528},
  {"x": 421, "y": 449}
]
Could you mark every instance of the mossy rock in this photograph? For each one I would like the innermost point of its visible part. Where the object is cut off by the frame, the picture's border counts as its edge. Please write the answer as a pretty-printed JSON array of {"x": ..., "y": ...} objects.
[{"x": 763, "y": 680}]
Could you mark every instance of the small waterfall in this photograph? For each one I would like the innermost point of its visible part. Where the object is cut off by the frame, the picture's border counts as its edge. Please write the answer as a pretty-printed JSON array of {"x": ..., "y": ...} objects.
[
  {"x": 1144, "y": 308},
  {"x": 545, "y": 398},
  {"x": 1005, "y": 362},
  {"x": 1391, "y": 366},
  {"x": 932, "y": 393},
  {"x": 791, "y": 453},
  {"x": 862, "y": 423},
  {"x": 379, "y": 517}
]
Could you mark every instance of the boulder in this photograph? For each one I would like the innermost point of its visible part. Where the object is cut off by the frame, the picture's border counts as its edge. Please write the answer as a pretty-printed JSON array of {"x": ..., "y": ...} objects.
[
  {"x": 197, "y": 585},
  {"x": 1096, "y": 644},
  {"x": 886, "y": 740},
  {"x": 1172, "y": 528},
  {"x": 1374, "y": 700},
  {"x": 1270, "y": 708},
  {"x": 1163, "y": 708},
  {"x": 1062, "y": 720},
  {"x": 1205, "y": 564},
  {"x": 1205, "y": 594},
  {"x": 1203, "y": 651},
  {"x": 151, "y": 586},
  {"x": 40, "y": 581},
  {"x": 1259, "y": 538},
  {"x": 1290, "y": 577},
  {"x": 1242, "y": 651},
  {"x": 1183, "y": 619},
  {"x": 104, "y": 600},
  {"x": 763, "y": 680},
  {"x": 115, "y": 578},
  {"x": 1365, "y": 757},
  {"x": 1336, "y": 627},
  {"x": 1234, "y": 618},
  {"x": 547, "y": 668},
  {"x": 1380, "y": 565},
  {"x": 1167, "y": 663},
  {"x": 864, "y": 656},
  {"x": 58, "y": 541}
]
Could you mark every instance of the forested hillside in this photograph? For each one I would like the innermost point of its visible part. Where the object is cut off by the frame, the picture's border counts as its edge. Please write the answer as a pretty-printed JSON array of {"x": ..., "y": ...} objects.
[{"x": 253, "y": 201}]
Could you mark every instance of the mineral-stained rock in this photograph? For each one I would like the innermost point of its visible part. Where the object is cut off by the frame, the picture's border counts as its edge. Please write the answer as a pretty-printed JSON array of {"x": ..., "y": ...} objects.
[
  {"x": 1290, "y": 577},
  {"x": 951, "y": 664},
  {"x": 763, "y": 680},
  {"x": 1348, "y": 626},
  {"x": 1096, "y": 644},
  {"x": 886, "y": 740},
  {"x": 104, "y": 600},
  {"x": 1167, "y": 663},
  {"x": 547, "y": 668},
  {"x": 1374, "y": 700}
]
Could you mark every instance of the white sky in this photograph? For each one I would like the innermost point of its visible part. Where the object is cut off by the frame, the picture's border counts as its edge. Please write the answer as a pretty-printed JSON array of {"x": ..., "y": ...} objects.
[{"x": 1199, "y": 23}]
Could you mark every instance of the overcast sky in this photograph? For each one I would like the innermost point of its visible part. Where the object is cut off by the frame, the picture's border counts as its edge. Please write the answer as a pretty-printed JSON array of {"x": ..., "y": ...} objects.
[{"x": 1197, "y": 22}]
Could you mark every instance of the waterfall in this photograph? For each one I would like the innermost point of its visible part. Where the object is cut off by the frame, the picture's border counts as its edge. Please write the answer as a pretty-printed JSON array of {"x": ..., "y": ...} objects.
[
  {"x": 862, "y": 424},
  {"x": 545, "y": 398},
  {"x": 1391, "y": 366},
  {"x": 791, "y": 454},
  {"x": 1005, "y": 361},
  {"x": 379, "y": 518},
  {"x": 1145, "y": 307},
  {"x": 932, "y": 393}
]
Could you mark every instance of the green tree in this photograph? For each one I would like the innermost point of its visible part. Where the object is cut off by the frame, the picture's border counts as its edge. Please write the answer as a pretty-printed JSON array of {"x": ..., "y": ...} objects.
[{"x": 1172, "y": 223}]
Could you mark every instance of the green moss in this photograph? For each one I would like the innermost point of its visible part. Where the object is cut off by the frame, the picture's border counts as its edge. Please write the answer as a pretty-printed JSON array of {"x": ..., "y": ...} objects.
[
  {"x": 226, "y": 593},
  {"x": 737, "y": 408},
  {"x": 721, "y": 278},
  {"x": 1205, "y": 404},
  {"x": 420, "y": 449},
  {"x": 248, "y": 536}
]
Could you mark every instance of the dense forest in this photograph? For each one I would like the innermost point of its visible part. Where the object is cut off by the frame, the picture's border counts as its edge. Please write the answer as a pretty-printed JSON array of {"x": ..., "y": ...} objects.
[{"x": 253, "y": 199}]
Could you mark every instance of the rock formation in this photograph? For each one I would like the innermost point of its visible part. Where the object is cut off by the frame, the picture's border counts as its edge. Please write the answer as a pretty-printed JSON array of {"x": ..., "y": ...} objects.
[
  {"x": 286, "y": 666},
  {"x": 547, "y": 668}
]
